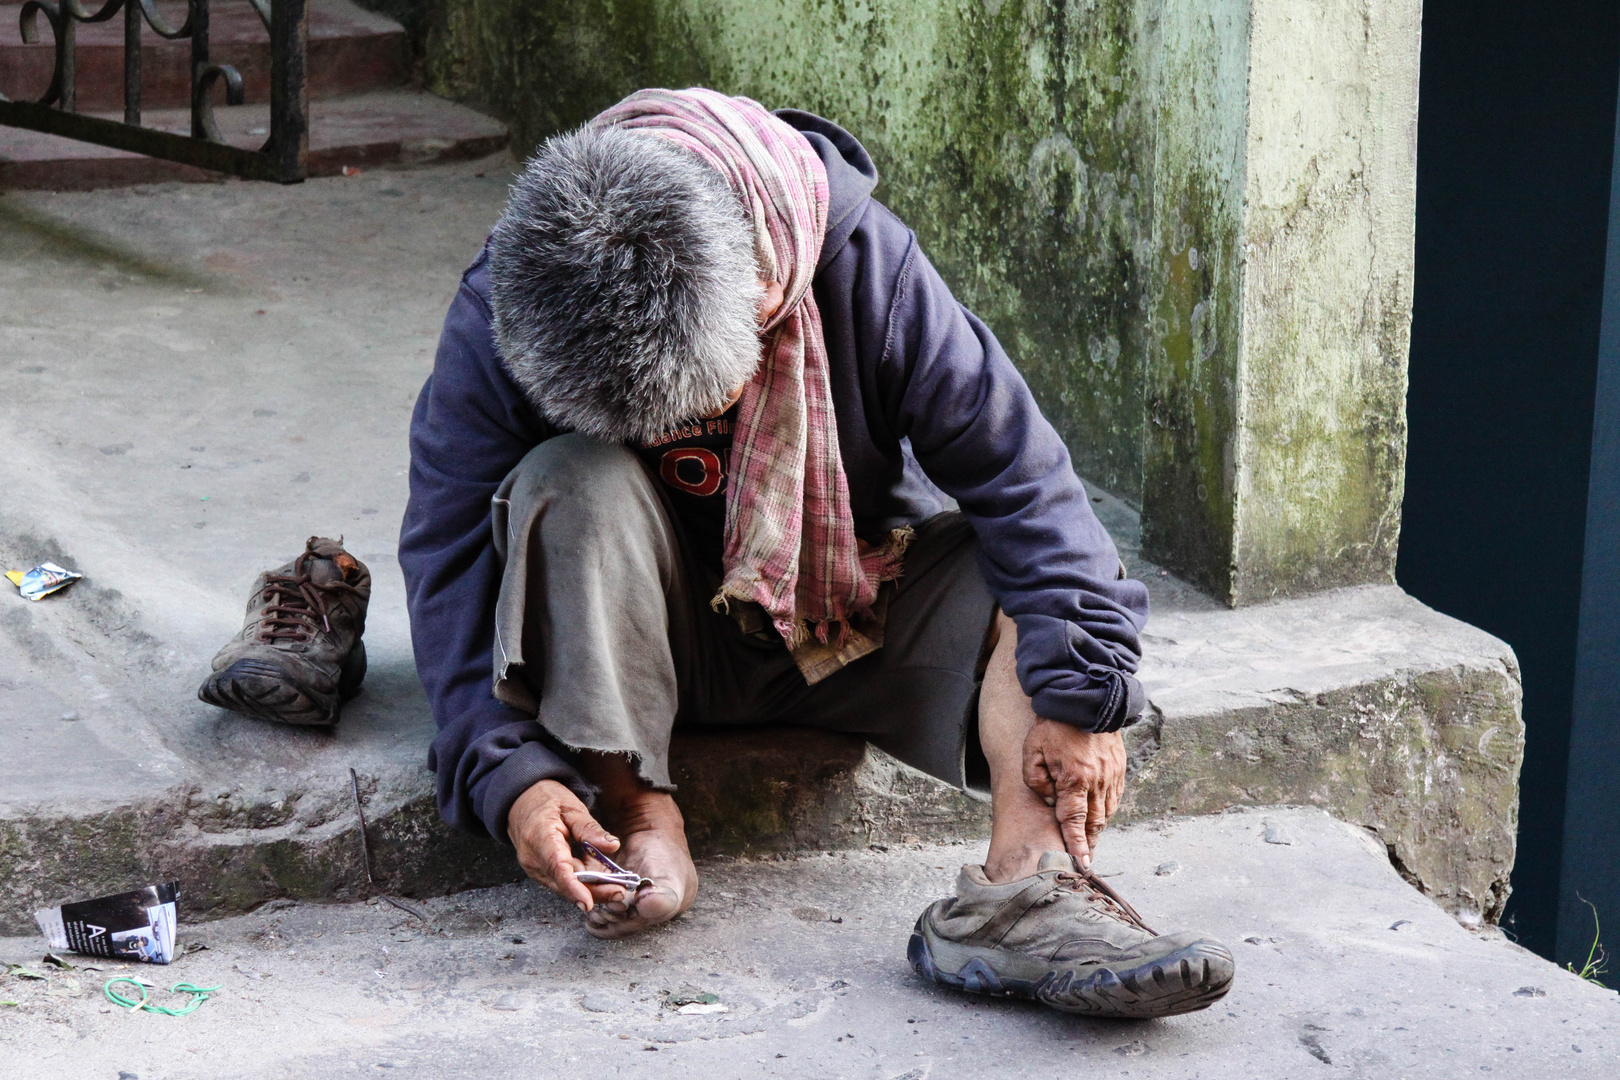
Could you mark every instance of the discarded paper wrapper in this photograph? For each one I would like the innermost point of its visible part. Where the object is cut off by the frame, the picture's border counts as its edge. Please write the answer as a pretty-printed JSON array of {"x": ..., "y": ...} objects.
[
  {"x": 42, "y": 580},
  {"x": 138, "y": 925}
]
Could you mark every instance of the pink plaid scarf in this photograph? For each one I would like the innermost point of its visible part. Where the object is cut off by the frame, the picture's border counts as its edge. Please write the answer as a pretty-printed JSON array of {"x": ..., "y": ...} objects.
[{"x": 790, "y": 541}]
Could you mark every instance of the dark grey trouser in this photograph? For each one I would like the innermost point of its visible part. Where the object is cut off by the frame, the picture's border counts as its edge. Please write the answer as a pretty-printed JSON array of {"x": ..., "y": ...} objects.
[{"x": 604, "y": 628}]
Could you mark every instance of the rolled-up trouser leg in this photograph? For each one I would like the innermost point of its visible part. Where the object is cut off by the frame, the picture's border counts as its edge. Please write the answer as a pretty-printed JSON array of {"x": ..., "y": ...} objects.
[{"x": 592, "y": 594}]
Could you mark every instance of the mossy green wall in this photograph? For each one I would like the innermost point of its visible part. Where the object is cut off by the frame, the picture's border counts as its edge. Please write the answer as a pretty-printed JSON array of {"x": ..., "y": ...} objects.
[
  {"x": 1200, "y": 94},
  {"x": 1009, "y": 135},
  {"x": 1189, "y": 221}
]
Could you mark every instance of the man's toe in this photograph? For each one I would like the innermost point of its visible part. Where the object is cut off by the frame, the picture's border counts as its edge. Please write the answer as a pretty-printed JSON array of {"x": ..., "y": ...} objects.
[{"x": 652, "y": 905}]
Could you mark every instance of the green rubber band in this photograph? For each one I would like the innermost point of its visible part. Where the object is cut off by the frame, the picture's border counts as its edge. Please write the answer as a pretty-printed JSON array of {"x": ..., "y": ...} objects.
[
  {"x": 119, "y": 999},
  {"x": 199, "y": 994}
]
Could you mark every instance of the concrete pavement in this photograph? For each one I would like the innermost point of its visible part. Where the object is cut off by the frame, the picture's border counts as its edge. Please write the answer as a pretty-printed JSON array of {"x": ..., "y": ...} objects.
[{"x": 1343, "y": 971}]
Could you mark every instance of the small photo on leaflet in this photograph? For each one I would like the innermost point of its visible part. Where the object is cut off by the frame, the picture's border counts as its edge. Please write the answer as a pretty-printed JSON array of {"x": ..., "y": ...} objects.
[{"x": 142, "y": 944}]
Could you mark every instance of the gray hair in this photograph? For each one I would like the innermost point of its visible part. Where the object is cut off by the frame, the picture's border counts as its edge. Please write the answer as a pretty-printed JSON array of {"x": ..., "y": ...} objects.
[{"x": 626, "y": 292}]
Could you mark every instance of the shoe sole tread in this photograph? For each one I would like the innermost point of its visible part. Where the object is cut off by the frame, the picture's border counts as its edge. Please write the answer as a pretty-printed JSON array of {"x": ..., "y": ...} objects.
[
  {"x": 1188, "y": 979},
  {"x": 262, "y": 690}
]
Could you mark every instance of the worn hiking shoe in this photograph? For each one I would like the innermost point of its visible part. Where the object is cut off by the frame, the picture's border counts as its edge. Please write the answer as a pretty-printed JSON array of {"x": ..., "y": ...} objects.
[
  {"x": 299, "y": 656},
  {"x": 1065, "y": 938}
]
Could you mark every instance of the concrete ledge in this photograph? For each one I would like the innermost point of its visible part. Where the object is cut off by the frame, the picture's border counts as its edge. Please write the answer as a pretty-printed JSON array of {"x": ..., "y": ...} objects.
[
  {"x": 233, "y": 848},
  {"x": 1363, "y": 702},
  {"x": 232, "y": 855}
]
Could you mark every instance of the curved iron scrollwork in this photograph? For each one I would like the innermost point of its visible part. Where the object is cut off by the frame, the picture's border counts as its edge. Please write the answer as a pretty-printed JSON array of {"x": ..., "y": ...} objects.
[
  {"x": 60, "y": 32},
  {"x": 202, "y": 106},
  {"x": 62, "y": 18},
  {"x": 282, "y": 157}
]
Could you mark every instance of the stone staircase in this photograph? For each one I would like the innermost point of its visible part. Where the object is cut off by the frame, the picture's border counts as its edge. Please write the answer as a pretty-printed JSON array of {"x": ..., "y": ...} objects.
[{"x": 362, "y": 112}]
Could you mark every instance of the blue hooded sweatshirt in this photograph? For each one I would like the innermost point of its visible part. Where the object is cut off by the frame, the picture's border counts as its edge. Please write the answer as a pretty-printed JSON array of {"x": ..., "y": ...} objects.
[{"x": 927, "y": 403}]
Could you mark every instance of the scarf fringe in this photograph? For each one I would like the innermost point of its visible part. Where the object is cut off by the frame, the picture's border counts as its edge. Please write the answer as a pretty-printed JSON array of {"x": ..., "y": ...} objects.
[
  {"x": 891, "y": 557},
  {"x": 885, "y": 563}
]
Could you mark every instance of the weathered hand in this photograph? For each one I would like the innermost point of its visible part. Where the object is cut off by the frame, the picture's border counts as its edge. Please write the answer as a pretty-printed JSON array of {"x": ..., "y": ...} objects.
[
  {"x": 543, "y": 824},
  {"x": 1080, "y": 775}
]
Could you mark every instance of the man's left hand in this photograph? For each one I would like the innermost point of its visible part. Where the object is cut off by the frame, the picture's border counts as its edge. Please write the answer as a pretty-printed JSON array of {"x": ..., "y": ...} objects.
[{"x": 1081, "y": 775}]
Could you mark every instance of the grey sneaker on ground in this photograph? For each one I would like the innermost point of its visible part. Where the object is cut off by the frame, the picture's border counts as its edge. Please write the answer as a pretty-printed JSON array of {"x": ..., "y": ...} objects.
[
  {"x": 1065, "y": 938},
  {"x": 299, "y": 655}
]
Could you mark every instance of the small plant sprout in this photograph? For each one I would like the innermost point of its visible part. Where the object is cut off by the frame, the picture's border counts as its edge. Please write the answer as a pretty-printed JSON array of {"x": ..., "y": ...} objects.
[{"x": 1597, "y": 961}]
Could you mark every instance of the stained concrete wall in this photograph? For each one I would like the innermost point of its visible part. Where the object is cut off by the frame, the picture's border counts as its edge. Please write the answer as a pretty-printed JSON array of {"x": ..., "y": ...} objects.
[
  {"x": 1189, "y": 222},
  {"x": 1193, "y": 312},
  {"x": 1011, "y": 136},
  {"x": 1329, "y": 204}
]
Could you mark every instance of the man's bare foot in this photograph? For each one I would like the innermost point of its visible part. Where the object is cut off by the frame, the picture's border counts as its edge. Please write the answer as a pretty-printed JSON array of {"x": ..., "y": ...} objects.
[{"x": 653, "y": 836}]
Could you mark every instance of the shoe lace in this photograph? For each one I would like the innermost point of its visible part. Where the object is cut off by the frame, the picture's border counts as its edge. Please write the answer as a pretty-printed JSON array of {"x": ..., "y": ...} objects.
[
  {"x": 1111, "y": 901},
  {"x": 294, "y": 600}
]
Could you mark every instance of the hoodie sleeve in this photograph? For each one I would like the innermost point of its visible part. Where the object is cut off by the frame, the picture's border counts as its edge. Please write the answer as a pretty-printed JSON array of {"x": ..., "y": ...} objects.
[
  {"x": 470, "y": 428},
  {"x": 946, "y": 383}
]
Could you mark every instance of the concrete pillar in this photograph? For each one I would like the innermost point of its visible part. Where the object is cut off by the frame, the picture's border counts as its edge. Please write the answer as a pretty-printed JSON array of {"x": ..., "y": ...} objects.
[
  {"x": 1284, "y": 169},
  {"x": 1189, "y": 221}
]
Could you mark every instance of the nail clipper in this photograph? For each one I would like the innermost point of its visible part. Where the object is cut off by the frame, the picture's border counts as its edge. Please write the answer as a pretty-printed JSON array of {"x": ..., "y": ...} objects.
[{"x": 615, "y": 875}]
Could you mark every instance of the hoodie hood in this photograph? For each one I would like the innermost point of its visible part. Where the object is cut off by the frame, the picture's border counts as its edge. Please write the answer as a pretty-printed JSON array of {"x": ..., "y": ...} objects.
[{"x": 851, "y": 176}]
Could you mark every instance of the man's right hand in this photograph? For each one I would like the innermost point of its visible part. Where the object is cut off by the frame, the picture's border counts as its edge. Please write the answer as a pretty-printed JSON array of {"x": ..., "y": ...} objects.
[
  {"x": 1081, "y": 775},
  {"x": 543, "y": 824}
]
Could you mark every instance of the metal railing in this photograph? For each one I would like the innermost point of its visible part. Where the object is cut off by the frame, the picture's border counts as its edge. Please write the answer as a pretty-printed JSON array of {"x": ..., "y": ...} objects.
[{"x": 282, "y": 158}]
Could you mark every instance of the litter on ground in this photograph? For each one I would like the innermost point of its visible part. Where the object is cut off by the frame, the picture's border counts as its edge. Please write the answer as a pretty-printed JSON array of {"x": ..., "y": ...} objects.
[{"x": 42, "y": 580}]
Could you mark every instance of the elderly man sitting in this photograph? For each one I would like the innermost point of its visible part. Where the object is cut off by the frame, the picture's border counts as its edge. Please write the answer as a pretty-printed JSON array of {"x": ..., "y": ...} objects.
[{"x": 683, "y": 458}]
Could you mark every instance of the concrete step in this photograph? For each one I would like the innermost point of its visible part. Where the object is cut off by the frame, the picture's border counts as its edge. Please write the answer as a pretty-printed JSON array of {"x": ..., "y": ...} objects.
[
  {"x": 350, "y": 50},
  {"x": 378, "y": 128},
  {"x": 200, "y": 377}
]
